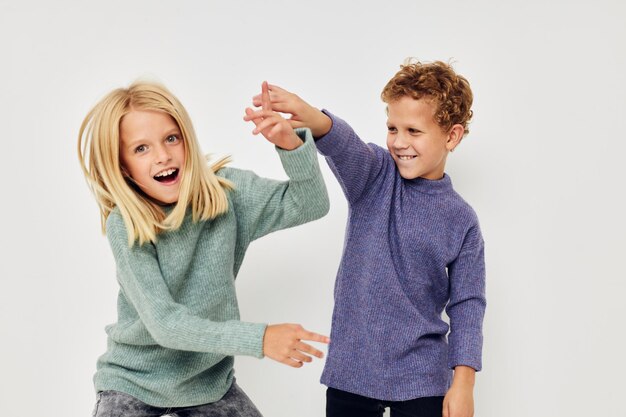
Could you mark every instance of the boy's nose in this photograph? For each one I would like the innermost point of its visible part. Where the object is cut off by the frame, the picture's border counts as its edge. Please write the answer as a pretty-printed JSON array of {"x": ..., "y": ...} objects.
[{"x": 400, "y": 143}]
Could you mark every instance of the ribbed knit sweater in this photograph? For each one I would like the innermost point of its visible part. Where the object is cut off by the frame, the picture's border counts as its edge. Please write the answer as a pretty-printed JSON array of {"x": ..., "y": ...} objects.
[
  {"x": 412, "y": 247},
  {"x": 178, "y": 320}
]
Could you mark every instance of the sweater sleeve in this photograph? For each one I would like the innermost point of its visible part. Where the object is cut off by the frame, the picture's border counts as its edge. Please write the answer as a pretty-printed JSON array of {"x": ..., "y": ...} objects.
[
  {"x": 355, "y": 163},
  {"x": 169, "y": 323},
  {"x": 466, "y": 307},
  {"x": 264, "y": 205}
]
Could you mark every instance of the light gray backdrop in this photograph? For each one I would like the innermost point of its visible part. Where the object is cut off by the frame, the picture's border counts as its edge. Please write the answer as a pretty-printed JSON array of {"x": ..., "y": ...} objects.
[{"x": 542, "y": 167}]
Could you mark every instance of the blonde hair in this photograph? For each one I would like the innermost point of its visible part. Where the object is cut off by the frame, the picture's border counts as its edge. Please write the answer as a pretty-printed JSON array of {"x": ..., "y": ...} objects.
[
  {"x": 99, "y": 155},
  {"x": 437, "y": 81}
]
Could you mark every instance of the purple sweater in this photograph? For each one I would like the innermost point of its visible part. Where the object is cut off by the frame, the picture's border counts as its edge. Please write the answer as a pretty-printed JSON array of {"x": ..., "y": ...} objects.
[{"x": 412, "y": 248}]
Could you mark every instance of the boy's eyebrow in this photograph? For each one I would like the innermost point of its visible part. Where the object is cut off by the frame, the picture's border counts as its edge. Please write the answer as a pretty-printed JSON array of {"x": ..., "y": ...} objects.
[{"x": 390, "y": 124}]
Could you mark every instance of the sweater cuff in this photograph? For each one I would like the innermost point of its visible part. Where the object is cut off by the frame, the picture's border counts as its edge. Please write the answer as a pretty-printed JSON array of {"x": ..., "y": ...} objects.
[
  {"x": 251, "y": 339},
  {"x": 334, "y": 142},
  {"x": 465, "y": 350},
  {"x": 300, "y": 163}
]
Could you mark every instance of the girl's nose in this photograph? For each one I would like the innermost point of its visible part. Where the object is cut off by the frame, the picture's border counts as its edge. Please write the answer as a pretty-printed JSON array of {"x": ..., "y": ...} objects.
[{"x": 163, "y": 155}]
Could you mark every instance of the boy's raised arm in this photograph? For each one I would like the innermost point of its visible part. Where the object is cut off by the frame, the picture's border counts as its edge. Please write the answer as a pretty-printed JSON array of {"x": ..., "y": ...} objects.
[{"x": 355, "y": 163}]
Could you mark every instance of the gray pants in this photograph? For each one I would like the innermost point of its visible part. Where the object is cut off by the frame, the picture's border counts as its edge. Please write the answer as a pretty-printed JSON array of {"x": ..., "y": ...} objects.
[{"x": 235, "y": 403}]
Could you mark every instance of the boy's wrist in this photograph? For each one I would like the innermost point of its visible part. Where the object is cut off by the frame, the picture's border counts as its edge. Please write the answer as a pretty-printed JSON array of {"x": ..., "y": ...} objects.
[
  {"x": 464, "y": 376},
  {"x": 322, "y": 124}
]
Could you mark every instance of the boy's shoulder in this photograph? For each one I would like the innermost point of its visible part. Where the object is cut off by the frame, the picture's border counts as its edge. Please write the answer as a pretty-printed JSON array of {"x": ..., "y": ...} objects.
[{"x": 460, "y": 208}]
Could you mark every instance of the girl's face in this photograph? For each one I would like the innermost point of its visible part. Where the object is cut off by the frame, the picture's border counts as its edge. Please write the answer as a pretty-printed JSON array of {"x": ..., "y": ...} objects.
[{"x": 152, "y": 153}]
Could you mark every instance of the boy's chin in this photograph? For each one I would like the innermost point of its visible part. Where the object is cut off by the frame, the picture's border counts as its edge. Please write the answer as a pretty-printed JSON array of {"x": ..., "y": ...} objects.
[{"x": 408, "y": 175}]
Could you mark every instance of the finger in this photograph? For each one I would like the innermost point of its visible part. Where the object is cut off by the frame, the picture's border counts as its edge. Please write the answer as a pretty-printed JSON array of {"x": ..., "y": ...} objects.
[
  {"x": 295, "y": 123},
  {"x": 266, "y": 102},
  {"x": 276, "y": 130},
  {"x": 274, "y": 87},
  {"x": 277, "y": 95},
  {"x": 292, "y": 363},
  {"x": 250, "y": 116},
  {"x": 299, "y": 356},
  {"x": 265, "y": 124},
  {"x": 445, "y": 411},
  {"x": 304, "y": 347},
  {"x": 280, "y": 106},
  {"x": 314, "y": 337},
  {"x": 257, "y": 114}
]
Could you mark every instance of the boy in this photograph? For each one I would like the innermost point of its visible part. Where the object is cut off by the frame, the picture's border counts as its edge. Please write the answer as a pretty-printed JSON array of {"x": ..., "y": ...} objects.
[{"x": 413, "y": 246}]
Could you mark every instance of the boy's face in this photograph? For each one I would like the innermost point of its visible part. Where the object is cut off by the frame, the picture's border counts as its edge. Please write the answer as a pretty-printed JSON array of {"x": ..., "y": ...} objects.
[
  {"x": 416, "y": 142},
  {"x": 152, "y": 152}
]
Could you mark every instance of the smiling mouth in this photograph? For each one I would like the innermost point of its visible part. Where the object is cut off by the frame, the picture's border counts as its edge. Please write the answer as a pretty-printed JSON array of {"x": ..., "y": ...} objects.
[
  {"x": 406, "y": 157},
  {"x": 167, "y": 176}
]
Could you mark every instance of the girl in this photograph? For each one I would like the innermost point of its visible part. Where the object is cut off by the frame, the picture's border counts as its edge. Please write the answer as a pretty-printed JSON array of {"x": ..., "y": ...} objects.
[{"x": 179, "y": 230}]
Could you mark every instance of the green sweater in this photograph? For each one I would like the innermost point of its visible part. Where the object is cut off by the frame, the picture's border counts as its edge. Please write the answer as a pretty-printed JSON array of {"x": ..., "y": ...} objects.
[{"x": 178, "y": 321}]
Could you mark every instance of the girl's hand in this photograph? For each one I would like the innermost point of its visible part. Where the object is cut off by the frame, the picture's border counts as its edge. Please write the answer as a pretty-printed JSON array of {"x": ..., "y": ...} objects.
[
  {"x": 302, "y": 113},
  {"x": 284, "y": 343},
  {"x": 459, "y": 400},
  {"x": 271, "y": 124}
]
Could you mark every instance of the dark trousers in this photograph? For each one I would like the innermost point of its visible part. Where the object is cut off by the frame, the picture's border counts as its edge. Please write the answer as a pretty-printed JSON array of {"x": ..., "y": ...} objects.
[
  {"x": 235, "y": 403},
  {"x": 344, "y": 404}
]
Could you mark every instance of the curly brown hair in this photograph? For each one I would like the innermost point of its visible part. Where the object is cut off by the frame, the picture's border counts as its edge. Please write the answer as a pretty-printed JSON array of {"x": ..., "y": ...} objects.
[{"x": 450, "y": 92}]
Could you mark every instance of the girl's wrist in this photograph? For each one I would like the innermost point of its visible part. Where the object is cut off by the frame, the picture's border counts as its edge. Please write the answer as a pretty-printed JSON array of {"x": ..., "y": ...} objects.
[{"x": 294, "y": 144}]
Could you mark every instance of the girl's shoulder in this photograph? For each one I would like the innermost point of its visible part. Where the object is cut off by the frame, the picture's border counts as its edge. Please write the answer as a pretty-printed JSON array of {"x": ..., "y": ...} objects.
[
  {"x": 115, "y": 219},
  {"x": 241, "y": 179}
]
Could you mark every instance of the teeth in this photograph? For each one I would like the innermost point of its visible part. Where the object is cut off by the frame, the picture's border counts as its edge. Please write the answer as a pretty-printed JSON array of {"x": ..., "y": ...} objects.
[
  {"x": 166, "y": 172},
  {"x": 406, "y": 157}
]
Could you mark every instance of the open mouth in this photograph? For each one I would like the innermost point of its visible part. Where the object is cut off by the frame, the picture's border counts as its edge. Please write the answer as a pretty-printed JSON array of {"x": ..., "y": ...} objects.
[
  {"x": 406, "y": 157},
  {"x": 167, "y": 176}
]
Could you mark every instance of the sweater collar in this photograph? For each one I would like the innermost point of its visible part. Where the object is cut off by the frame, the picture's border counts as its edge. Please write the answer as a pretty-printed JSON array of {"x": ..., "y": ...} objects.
[{"x": 427, "y": 186}]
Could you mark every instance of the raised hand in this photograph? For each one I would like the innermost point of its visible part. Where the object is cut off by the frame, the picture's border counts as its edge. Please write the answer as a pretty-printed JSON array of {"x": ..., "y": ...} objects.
[
  {"x": 302, "y": 113},
  {"x": 284, "y": 343},
  {"x": 272, "y": 125}
]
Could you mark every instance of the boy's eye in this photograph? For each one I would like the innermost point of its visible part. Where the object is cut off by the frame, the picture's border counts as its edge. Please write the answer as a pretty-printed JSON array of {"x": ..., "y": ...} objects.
[
  {"x": 140, "y": 148},
  {"x": 414, "y": 131},
  {"x": 392, "y": 129}
]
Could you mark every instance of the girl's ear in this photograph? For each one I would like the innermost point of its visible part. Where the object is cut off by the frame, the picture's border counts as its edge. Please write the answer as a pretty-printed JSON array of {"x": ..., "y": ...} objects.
[{"x": 455, "y": 135}]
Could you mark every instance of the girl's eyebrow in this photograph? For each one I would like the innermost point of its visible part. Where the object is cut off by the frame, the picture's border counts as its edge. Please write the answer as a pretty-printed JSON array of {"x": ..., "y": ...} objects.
[
  {"x": 171, "y": 131},
  {"x": 134, "y": 142}
]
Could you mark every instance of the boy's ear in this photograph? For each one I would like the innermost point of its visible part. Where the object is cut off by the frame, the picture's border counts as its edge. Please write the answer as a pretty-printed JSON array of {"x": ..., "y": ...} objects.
[{"x": 455, "y": 135}]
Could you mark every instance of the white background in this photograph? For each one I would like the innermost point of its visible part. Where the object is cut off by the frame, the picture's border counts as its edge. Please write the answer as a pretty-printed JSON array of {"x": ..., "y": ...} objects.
[{"x": 541, "y": 166}]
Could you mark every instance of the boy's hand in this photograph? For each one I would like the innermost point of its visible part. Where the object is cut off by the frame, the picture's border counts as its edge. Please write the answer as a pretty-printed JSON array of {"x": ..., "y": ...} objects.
[
  {"x": 284, "y": 343},
  {"x": 459, "y": 400},
  {"x": 302, "y": 113},
  {"x": 271, "y": 124}
]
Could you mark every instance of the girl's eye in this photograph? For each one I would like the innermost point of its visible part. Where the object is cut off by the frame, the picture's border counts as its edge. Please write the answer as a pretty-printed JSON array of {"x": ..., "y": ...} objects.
[
  {"x": 172, "y": 139},
  {"x": 140, "y": 148}
]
